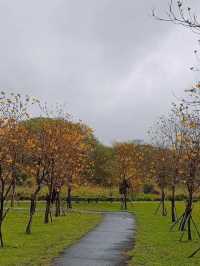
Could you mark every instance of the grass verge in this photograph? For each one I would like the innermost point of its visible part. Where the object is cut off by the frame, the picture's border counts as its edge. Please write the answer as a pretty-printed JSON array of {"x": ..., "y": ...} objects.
[
  {"x": 46, "y": 241},
  {"x": 156, "y": 245}
]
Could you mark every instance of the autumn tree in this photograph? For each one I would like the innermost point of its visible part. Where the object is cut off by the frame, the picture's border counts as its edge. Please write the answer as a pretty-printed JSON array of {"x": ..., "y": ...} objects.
[
  {"x": 190, "y": 163},
  {"x": 78, "y": 156},
  {"x": 161, "y": 161},
  {"x": 42, "y": 152},
  {"x": 174, "y": 134},
  {"x": 54, "y": 138},
  {"x": 13, "y": 111},
  {"x": 127, "y": 162},
  {"x": 171, "y": 131}
]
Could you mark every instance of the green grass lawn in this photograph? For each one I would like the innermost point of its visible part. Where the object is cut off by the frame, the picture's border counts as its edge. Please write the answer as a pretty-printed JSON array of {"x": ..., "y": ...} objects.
[
  {"x": 46, "y": 241},
  {"x": 154, "y": 244}
]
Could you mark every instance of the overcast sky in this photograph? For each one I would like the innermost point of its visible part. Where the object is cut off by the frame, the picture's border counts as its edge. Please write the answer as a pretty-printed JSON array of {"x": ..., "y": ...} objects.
[{"x": 109, "y": 61}]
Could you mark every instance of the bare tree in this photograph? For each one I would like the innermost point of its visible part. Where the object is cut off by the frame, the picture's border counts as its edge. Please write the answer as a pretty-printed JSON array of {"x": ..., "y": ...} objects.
[
  {"x": 161, "y": 160},
  {"x": 179, "y": 13},
  {"x": 190, "y": 164}
]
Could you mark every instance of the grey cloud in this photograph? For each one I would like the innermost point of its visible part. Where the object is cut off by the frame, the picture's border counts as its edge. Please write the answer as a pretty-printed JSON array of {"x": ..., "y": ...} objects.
[{"x": 113, "y": 65}]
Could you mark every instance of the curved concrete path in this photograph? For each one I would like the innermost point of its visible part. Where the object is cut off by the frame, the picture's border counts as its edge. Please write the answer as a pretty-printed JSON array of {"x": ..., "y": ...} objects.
[{"x": 104, "y": 246}]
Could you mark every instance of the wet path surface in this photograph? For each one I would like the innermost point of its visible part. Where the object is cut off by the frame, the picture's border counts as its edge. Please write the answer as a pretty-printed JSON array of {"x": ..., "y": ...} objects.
[{"x": 105, "y": 245}]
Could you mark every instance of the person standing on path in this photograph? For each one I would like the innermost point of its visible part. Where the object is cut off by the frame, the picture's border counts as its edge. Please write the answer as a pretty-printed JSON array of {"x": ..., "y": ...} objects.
[{"x": 123, "y": 190}]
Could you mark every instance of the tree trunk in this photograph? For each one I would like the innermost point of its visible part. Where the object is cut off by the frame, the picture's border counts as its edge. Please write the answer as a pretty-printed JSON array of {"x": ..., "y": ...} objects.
[
  {"x": 125, "y": 201},
  {"x": 189, "y": 228},
  {"x": 186, "y": 220},
  {"x": 1, "y": 236},
  {"x": 189, "y": 215},
  {"x": 12, "y": 203},
  {"x": 69, "y": 198},
  {"x": 173, "y": 205},
  {"x": 58, "y": 207},
  {"x": 122, "y": 201},
  {"x": 163, "y": 202},
  {"x": 49, "y": 200},
  {"x": 48, "y": 209},
  {"x": 32, "y": 212},
  {"x": 1, "y": 221}
]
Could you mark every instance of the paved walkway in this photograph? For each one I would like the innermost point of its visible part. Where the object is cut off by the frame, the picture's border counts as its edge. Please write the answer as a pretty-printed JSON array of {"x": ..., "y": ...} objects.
[{"x": 104, "y": 246}]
